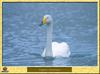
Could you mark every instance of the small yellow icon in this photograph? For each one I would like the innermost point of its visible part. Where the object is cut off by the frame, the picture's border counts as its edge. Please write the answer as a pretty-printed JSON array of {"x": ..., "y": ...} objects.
[{"x": 4, "y": 69}]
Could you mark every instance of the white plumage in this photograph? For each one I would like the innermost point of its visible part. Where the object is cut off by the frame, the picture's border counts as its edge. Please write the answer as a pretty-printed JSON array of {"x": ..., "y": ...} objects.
[
  {"x": 54, "y": 49},
  {"x": 59, "y": 50}
]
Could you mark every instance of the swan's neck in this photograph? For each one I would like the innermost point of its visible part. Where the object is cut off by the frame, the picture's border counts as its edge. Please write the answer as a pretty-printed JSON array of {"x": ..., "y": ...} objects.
[{"x": 49, "y": 41}]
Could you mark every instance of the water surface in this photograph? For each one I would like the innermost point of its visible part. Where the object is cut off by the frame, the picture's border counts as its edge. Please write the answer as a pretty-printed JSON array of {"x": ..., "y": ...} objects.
[{"x": 24, "y": 40}]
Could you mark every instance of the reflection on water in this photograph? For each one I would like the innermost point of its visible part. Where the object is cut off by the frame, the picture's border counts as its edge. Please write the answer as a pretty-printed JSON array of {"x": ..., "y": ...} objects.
[{"x": 48, "y": 62}]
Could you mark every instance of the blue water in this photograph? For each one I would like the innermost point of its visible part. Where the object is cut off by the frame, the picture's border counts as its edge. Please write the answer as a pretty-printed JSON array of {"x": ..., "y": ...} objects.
[{"x": 24, "y": 40}]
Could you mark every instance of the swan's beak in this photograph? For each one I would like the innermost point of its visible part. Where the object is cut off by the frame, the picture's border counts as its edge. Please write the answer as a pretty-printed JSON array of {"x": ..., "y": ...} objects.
[{"x": 43, "y": 21}]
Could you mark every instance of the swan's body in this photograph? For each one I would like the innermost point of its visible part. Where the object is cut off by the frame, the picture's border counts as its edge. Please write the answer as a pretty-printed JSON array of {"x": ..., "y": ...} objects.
[
  {"x": 54, "y": 49},
  {"x": 58, "y": 50}
]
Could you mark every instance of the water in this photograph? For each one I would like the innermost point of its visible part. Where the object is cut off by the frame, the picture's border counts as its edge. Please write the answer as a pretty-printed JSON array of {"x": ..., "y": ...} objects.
[{"x": 24, "y": 40}]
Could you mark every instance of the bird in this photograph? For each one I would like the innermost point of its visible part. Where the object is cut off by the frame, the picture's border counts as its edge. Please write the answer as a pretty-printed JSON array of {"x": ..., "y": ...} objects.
[{"x": 53, "y": 49}]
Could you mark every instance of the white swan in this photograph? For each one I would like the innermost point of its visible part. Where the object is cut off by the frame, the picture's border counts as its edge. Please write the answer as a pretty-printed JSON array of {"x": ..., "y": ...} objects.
[{"x": 54, "y": 49}]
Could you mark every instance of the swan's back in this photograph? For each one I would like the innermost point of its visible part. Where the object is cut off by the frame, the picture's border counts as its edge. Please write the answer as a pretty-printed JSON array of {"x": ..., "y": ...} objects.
[{"x": 59, "y": 50}]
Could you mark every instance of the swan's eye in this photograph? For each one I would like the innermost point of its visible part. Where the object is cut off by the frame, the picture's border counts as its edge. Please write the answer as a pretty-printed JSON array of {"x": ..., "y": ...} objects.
[{"x": 47, "y": 18}]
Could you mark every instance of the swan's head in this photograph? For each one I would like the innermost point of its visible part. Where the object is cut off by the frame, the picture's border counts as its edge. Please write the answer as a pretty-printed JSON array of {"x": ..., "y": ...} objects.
[{"x": 47, "y": 20}]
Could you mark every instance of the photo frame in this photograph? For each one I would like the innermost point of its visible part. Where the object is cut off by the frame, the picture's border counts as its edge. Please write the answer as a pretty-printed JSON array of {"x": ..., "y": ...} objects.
[{"x": 48, "y": 69}]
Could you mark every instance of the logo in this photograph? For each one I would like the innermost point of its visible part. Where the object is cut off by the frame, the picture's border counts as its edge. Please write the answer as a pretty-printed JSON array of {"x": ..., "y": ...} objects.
[{"x": 4, "y": 69}]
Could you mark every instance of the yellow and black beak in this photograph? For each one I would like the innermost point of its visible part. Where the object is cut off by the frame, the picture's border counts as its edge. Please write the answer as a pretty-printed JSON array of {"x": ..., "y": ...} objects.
[{"x": 43, "y": 21}]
